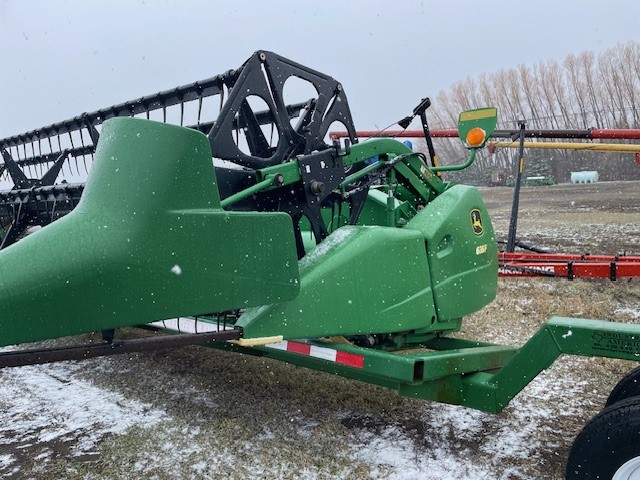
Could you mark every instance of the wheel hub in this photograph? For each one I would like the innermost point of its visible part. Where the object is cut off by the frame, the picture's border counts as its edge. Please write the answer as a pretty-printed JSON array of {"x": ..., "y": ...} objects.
[{"x": 629, "y": 471}]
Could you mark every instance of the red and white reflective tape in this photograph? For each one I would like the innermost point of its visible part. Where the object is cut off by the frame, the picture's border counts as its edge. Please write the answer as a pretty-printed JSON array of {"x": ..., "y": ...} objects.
[{"x": 329, "y": 354}]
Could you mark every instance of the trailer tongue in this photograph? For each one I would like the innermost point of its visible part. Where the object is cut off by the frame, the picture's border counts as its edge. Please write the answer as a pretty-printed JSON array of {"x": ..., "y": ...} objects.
[{"x": 355, "y": 259}]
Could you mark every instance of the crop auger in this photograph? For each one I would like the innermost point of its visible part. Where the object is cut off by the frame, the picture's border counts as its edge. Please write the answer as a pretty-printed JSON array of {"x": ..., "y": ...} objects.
[{"x": 247, "y": 232}]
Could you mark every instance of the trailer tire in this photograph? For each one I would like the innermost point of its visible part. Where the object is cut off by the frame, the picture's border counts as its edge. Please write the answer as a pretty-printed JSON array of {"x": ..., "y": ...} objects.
[
  {"x": 608, "y": 447},
  {"x": 628, "y": 387}
]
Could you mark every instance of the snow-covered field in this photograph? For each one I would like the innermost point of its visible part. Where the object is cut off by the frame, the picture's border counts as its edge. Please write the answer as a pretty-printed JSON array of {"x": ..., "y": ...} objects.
[
  {"x": 48, "y": 410},
  {"x": 55, "y": 421}
]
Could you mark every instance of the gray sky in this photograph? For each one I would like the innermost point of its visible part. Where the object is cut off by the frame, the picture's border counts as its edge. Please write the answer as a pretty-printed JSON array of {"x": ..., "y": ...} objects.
[{"x": 64, "y": 58}]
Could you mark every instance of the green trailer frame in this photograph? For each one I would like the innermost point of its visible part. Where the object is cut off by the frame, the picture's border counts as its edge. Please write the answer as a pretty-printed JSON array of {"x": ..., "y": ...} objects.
[{"x": 479, "y": 375}]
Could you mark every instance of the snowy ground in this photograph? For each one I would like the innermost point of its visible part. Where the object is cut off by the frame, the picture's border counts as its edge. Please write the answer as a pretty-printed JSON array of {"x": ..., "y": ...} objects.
[
  {"x": 49, "y": 410},
  {"x": 199, "y": 413},
  {"x": 54, "y": 419}
]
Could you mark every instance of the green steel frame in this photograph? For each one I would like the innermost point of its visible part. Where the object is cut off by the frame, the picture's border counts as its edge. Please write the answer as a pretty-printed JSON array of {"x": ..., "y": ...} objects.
[
  {"x": 422, "y": 258},
  {"x": 477, "y": 375}
]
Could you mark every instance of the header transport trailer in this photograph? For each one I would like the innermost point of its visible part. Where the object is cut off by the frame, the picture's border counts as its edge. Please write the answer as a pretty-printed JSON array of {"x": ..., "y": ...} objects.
[{"x": 258, "y": 237}]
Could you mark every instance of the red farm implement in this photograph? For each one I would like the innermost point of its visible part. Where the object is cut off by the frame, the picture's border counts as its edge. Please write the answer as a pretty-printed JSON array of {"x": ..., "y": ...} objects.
[{"x": 530, "y": 264}]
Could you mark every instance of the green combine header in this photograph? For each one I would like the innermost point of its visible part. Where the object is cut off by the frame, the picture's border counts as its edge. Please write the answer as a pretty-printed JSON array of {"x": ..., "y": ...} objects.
[{"x": 356, "y": 259}]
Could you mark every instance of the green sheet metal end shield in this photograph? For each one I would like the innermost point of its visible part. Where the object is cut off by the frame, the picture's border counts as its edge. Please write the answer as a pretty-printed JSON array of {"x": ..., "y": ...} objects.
[{"x": 148, "y": 241}]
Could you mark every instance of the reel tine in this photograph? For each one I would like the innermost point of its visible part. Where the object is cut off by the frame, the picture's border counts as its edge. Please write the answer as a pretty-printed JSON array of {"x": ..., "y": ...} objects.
[
  {"x": 30, "y": 167},
  {"x": 24, "y": 155},
  {"x": 39, "y": 154},
  {"x": 84, "y": 161},
  {"x": 66, "y": 163},
  {"x": 74, "y": 157},
  {"x": 71, "y": 140},
  {"x": 37, "y": 166}
]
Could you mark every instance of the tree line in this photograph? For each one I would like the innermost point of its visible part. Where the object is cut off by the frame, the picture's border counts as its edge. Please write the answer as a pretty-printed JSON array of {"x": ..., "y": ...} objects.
[{"x": 583, "y": 91}]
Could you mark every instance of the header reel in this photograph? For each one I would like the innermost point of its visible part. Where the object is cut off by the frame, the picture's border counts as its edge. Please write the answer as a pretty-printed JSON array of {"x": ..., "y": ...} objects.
[{"x": 253, "y": 126}]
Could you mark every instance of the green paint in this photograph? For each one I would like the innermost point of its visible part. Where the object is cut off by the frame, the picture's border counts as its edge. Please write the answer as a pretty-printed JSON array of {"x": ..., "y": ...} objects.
[
  {"x": 148, "y": 241},
  {"x": 346, "y": 290},
  {"x": 457, "y": 168},
  {"x": 473, "y": 374},
  {"x": 484, "y": 118},
  {"x": 435, "y": 260}
]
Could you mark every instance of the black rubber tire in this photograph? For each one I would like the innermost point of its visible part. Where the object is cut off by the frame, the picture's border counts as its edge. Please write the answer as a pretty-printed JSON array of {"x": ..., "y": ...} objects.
[
  {"x": 607, "y": 442},
  {"x": 628, "y": 387}
]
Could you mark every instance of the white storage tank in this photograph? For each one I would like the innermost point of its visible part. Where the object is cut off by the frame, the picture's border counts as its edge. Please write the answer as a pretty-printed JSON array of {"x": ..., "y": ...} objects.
[{"x": 584, "y": 177}]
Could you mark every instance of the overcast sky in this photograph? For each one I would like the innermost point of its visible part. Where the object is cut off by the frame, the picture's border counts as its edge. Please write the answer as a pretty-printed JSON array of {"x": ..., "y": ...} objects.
[{"x": 62, "y": 58}]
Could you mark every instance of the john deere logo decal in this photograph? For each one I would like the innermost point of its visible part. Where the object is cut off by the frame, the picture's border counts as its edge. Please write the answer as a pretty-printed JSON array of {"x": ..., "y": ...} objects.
[{"x": 476, "y": 222}]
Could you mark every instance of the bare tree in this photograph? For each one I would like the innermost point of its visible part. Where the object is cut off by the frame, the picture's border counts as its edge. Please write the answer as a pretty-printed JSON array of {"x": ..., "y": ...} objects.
[
  {"x": 530, "y": 89},
  {"x": 576, "y": 82},
  {"x": 583, "y": 91},
  {"x": 629, "y": 65}
]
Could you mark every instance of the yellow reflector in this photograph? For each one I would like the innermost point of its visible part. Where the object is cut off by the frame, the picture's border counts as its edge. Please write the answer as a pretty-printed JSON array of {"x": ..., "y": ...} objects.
[
  {"x": 478, "y": 114},
  {"x": 475, "y": 137}
]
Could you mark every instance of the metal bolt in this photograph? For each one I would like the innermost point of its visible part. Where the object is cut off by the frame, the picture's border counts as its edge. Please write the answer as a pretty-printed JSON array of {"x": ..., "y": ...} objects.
[{"x": 317, "y": 188}]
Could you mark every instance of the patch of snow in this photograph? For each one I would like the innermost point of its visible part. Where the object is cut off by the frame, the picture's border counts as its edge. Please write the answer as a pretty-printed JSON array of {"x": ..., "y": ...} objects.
[
  {"x": 47, "y": 403},
  {"x": 629, "y": 311},
  {"x": 6, "y": 460},
  {"x": 328, "y": 244},
  {"x": 391, "y": 455},
  {"x": 461, "y": 443}
]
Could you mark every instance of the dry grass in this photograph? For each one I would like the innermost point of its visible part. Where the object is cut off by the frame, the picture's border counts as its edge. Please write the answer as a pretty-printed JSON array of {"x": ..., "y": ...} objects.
[{"x": 593, "y": 218}]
